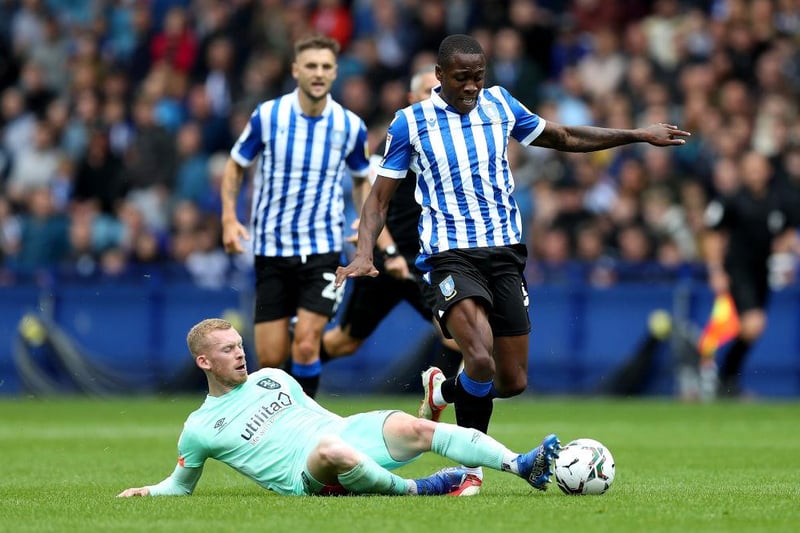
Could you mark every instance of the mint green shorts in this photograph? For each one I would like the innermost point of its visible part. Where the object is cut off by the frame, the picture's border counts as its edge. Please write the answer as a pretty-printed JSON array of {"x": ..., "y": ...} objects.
[{"x": 364, "y": 432}]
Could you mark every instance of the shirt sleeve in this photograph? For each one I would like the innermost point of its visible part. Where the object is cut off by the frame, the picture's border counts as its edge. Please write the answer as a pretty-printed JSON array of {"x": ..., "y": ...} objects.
[
  {"x": 358, "y": 159},
  {"x": 527, "y": 124},
  {"x": 250, "y": 143},
  {"x": 397, "y": 156},
  {"x": 181, "y": 482}
]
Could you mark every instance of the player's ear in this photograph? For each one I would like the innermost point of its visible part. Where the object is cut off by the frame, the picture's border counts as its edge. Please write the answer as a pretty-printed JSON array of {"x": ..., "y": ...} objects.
[{"x": 202, "y": 362}]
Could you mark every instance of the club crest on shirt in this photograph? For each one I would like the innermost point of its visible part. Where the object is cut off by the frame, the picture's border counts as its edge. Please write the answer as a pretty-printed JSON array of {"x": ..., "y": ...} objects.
[
  {"x": 267, "y": 383},
  {"x": 493, "y": 113},
  {"x": 448, "y": 287},
  {"x": 337, "y": 138}
]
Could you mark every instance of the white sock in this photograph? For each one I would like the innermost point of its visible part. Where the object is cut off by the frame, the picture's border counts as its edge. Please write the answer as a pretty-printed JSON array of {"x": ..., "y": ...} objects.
[
  {"x": 476, "y": 471},
  {"x": 437, "y": 397}
]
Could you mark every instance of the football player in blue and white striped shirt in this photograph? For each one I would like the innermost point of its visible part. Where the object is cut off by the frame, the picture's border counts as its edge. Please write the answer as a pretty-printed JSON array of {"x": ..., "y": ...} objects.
[
  {"x": 307, "y": 143},
  {"x": 470, "y": 232}
]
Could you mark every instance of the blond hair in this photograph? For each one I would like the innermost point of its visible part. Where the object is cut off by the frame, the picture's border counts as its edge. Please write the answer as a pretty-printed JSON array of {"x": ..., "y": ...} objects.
[{"x": 197, "y": 338}]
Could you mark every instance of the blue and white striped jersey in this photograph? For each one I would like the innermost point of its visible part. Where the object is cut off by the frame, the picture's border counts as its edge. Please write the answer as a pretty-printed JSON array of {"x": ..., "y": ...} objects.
[
  {"x": 298, "y": 204},
  {"x": 464, "y": 182}
]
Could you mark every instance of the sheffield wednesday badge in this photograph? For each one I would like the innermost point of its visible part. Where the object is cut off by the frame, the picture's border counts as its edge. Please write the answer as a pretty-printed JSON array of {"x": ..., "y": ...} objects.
[{"x": 448, "y": 287}]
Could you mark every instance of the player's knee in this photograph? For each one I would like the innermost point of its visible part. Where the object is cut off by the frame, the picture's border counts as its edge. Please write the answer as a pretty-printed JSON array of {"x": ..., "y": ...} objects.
[
  {"x": 421, "y": 430},
  {"x": 513, "y": 386},
  {"x": 333, "y": 453},
  {"x": 480, "y": 364},
  {"x": 347, "y": 346},
  {"x": 306, "y": 350}
]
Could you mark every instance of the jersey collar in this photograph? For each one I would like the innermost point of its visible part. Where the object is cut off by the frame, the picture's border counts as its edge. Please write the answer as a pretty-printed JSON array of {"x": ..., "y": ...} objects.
[
  {"x": 439, "y": 102},
  {"x": 299, "y": 110}
]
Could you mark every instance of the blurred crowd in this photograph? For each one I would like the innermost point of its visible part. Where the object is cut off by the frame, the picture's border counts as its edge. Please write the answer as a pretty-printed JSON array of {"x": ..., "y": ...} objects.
[{"x": 116, "y": 118}]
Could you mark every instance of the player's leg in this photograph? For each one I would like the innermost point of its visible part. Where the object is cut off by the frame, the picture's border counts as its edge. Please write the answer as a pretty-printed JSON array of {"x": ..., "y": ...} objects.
[
  {"x": 306, "y": 366},
  {"x": 275, "y": 301},
  {"x": 370, "y": 300},
  {"x": 510, "y": 322},
  {"x": 336, "y": 465},
  {"x": 406, "y": 437},
  {"x": 271, "y": 342},
  {"x": 317, "y": 300}
]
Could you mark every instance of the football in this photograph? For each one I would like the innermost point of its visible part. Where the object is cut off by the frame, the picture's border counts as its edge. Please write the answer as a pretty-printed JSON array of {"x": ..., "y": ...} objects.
[{"x": 584, "y": 466}]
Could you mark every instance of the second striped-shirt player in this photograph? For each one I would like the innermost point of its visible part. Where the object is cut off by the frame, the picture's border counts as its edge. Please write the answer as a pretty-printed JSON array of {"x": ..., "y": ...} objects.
[{"x": 307, "y": 143}]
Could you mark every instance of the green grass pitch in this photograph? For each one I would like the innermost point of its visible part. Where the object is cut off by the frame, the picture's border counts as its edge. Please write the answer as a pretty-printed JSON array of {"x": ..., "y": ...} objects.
[{"x": 682, "y": 468}]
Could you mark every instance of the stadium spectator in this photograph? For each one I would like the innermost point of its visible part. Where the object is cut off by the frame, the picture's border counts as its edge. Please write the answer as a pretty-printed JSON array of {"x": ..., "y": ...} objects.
[
  {"x": 470, "y": 233},
  {"x": 99, "y": 174},
  {"x": 43, "y": 234},
  {"x": 306, "y": 140},
  {"x": 34, "y": 167},
  {"x": 287, "y": 443}
]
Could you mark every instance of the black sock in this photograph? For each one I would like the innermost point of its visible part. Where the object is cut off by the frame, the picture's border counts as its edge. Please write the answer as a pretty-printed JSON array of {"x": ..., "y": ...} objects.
[
  {"x": 734, "y": 360},
  {"x": 449, "y": 389},
  {"x": 472, "y": 411},
  {"x": 324, "y": 356},
  {"x": 309, "y": 384},
  {"x": 448, "y": 361}
]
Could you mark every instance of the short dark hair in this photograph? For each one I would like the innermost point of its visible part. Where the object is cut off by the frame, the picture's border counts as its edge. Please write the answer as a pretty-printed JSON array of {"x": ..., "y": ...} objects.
[
  {"x": 457, "y": 44},
  {"x": 315, "y": 42}
]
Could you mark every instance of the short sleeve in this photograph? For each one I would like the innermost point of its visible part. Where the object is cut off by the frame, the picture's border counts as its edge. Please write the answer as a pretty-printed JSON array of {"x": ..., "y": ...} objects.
[{"x": 397, "y": 156}]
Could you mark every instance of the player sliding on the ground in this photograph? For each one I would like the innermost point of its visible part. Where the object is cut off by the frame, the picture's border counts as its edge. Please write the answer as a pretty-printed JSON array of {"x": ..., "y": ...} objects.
[{"x": 266, "y": 428}]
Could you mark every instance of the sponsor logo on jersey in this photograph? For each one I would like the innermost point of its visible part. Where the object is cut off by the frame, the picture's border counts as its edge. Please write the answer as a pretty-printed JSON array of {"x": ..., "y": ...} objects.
[
  {"x": 269, "y": 384},
  {"x": 259, "y": 421},
  {"x": 448, "y": 288},
  {"x": 219, "y": 423},
  {"x": 386, "y": 149}
]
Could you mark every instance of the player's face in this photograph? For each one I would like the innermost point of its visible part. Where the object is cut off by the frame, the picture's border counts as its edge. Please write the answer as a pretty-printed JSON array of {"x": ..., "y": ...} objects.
[
  {"x": 462, "y": 80},
  {"x": 315, "y": 70},
  {"x": 224, "y": 357},
  {"x": 429, "y": 81}
]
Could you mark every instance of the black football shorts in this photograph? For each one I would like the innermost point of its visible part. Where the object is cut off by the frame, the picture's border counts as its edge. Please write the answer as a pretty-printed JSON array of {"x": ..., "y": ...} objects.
[
  {"x": 493, "y": 276},
  {"x": 284, "y": 284}
]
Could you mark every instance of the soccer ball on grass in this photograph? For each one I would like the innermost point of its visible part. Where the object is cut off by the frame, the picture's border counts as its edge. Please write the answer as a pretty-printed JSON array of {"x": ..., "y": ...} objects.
[{"x": 584, "y": 466}]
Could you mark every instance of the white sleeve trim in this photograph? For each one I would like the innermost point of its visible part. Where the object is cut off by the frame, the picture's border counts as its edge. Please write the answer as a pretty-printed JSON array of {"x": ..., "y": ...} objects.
[{"x": 535, "y": 133}]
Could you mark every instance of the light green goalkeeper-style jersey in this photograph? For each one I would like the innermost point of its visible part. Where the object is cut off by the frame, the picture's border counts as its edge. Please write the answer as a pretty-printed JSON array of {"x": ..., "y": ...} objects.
[{"x": 264, "y": 429}]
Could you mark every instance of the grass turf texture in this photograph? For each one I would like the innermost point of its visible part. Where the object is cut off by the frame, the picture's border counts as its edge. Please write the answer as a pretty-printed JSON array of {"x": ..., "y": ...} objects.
[{"x": 720, "y": 467}]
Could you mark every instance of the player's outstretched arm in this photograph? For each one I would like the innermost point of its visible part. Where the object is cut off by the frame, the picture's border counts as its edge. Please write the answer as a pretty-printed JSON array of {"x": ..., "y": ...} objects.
[
  {"x": 591, "y": 138},
  {"x": 181, "y": 482}
]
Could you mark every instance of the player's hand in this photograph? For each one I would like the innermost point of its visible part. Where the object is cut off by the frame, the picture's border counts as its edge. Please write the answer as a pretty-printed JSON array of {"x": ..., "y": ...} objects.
[
  {"x": 397, "y": 267},
  {"x": 665, "y": 135},
  {"x": 359, "y": 266},
  {"x": 232, "y": 234},
  {"x": 128, "y": 493}
]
